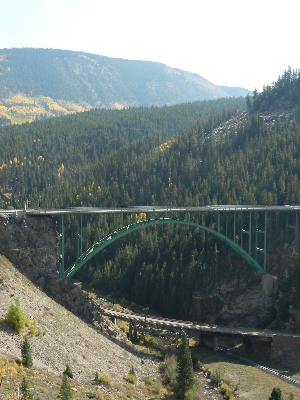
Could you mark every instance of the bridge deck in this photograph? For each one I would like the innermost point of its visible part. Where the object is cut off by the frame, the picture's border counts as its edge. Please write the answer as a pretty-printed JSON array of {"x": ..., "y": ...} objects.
[
  {"x": 204, "y": 328},
  {"x": 145, "y": 209}
]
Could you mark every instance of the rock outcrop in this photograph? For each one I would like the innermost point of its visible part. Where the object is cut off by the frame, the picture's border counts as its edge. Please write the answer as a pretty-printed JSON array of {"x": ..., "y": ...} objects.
[{"x": 31, "y": 244}]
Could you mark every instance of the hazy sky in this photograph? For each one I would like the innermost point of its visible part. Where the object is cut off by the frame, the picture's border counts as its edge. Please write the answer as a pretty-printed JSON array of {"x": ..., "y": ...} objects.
[{"x": 229, "y": 42}]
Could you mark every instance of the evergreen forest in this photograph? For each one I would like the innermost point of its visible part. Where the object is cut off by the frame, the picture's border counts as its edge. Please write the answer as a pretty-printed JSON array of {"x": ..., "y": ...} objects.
[{"x": 175, "y": 155}]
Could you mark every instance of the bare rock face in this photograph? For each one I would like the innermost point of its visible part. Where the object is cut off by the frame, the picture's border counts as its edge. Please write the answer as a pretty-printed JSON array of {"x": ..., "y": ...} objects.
[
  {"x": 234, "y": 304},
  {"x": 31, "y": 244}
]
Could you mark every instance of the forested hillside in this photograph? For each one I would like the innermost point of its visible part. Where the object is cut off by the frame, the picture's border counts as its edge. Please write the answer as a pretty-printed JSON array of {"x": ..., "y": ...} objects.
[
  {"x": 193, "y": 154},
  {"x": 51, "y": 82}
]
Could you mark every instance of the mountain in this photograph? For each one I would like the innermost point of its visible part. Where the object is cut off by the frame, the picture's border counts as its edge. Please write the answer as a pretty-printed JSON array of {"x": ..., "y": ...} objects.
[
  {"x": 235, "y": 91},
  {"x": 89, "y": 80}
]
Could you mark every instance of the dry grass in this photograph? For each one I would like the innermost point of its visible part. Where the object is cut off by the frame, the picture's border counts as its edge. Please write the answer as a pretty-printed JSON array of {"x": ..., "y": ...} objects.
[{"x": 252, "y": 382}]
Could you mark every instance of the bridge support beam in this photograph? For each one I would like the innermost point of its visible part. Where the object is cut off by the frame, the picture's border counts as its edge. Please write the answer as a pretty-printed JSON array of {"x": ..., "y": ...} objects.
[{"x": 216, "y": 343}]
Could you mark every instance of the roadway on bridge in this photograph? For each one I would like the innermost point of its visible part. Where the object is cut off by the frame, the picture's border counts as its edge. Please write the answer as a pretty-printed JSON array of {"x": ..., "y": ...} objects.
[
  {"x": 145, "y": 209},
  {"x": 194, "y": 326}
]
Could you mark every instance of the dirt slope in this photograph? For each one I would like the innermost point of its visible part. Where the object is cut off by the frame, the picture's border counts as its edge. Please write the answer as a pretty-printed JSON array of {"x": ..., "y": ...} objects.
[{"x": 66, "y": 338}]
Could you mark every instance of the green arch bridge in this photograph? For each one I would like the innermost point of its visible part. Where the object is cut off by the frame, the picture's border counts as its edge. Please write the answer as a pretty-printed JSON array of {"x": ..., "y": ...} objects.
[{"x": 245, "y": 229}]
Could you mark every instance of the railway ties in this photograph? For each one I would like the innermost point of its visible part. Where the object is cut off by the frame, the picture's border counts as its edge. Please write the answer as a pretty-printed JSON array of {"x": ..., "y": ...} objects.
[{"x": 269, "y": 370}]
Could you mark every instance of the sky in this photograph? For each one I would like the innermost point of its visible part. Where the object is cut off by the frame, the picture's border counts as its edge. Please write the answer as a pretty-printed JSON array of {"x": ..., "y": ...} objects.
[{"x": 229, "y": 42}]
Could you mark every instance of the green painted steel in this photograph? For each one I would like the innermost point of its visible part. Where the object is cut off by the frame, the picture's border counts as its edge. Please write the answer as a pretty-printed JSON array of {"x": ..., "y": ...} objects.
[
  {"x": 62, "y": 247},
  {"x": 102, "y": 243}
]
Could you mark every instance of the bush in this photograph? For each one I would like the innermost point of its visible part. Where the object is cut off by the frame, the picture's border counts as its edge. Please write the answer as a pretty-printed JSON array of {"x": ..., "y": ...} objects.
[
  {"x": 15, "y": 316},
  {"x": 117, "y": 307},
  {"x": 215, "y": 376},
  {"x": 226, "y": 391},
  {"x": 156, "y": 386},
  {"x": 32, "y": 327},
  {"x": 130, "y": 378},
  {"x": 90, "y": 395},
  {"x": 169, "y": 369},
  {"x": 103, "y": 379}
]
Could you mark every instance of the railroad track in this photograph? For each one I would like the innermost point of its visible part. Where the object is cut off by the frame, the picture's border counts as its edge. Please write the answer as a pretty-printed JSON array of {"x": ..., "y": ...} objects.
[{"x": 269, "y": 370}]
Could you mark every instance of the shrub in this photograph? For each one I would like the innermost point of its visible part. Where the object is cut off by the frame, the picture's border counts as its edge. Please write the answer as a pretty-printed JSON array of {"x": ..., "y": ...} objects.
[
  {"x": 90, "y": 395},
  {"x": 124, "y": 326},
  {"x": 169, "y": 369},
  {"x": 117, "y": 307},
  {"x": 103, "y": 379},
  {"x": 130, "y": 378},
  {"x": 156, "y": 386},
  {"x": 15, "y": 316},
  {"x": 148, "y": 381},
  {"x": 215, "y": 376},
  {"x": 226, "y": 391},
  {"x": 32, "y": 327}
]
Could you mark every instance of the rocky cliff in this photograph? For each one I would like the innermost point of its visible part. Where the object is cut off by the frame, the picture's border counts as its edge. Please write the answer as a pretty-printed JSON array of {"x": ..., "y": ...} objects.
[{"x": 31, "y": 245}]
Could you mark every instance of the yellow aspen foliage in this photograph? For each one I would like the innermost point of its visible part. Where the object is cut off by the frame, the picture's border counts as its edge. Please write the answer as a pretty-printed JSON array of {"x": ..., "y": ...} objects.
[
  {"x": 16, "y": 160},
  {"x": 12, "y": 372},
  {"x": 3, "y": 367},
  {"x": 61, "y": 170},
  {"x": 3, "y": 166},
  {"x": 10, "y": 162},
  {"x": 21, "y": 369},
  {"x": 140, "y": 217}
]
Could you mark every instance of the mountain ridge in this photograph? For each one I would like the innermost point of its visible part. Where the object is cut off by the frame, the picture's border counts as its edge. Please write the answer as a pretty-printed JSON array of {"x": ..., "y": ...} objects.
[{"x": 91, "y": 80}]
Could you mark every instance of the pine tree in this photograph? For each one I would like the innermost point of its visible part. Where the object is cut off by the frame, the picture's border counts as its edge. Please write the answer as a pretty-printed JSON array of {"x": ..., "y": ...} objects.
[
  {"x": 26, "y": 393},
  {"x": 68, "y": 371},
  {"x": 24, "y": 387},
  {"x": 65, "y": 392},
  {"x": 185, "y": 375},
  {"x": 276, "y": 394},
  {"x": 26, "y": 353}
]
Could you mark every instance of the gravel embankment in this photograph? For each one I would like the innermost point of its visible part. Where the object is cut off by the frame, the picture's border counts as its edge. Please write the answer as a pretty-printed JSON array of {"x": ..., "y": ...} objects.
[{"x": 66, "y": 338}]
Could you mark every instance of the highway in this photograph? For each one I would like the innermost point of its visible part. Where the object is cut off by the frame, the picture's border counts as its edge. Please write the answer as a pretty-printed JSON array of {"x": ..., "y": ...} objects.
[
  {"x": 144, "y": 209},
  {"x": 187, "y": 325}
]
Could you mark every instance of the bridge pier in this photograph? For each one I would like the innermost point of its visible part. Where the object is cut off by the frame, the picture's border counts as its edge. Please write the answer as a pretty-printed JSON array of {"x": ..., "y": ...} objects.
[
  {"x": 216, "y": 343},
  {"x": 209, "y": 340},
  {"x": 286, "y": 350}
]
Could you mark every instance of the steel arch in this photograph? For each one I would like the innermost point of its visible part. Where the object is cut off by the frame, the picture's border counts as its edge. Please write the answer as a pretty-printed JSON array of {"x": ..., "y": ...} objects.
[{"x": 107, "y": 240}]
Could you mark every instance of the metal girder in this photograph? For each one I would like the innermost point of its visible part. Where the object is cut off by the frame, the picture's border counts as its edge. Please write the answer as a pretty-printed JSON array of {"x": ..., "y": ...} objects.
[{"x": 102, "y": 243}]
